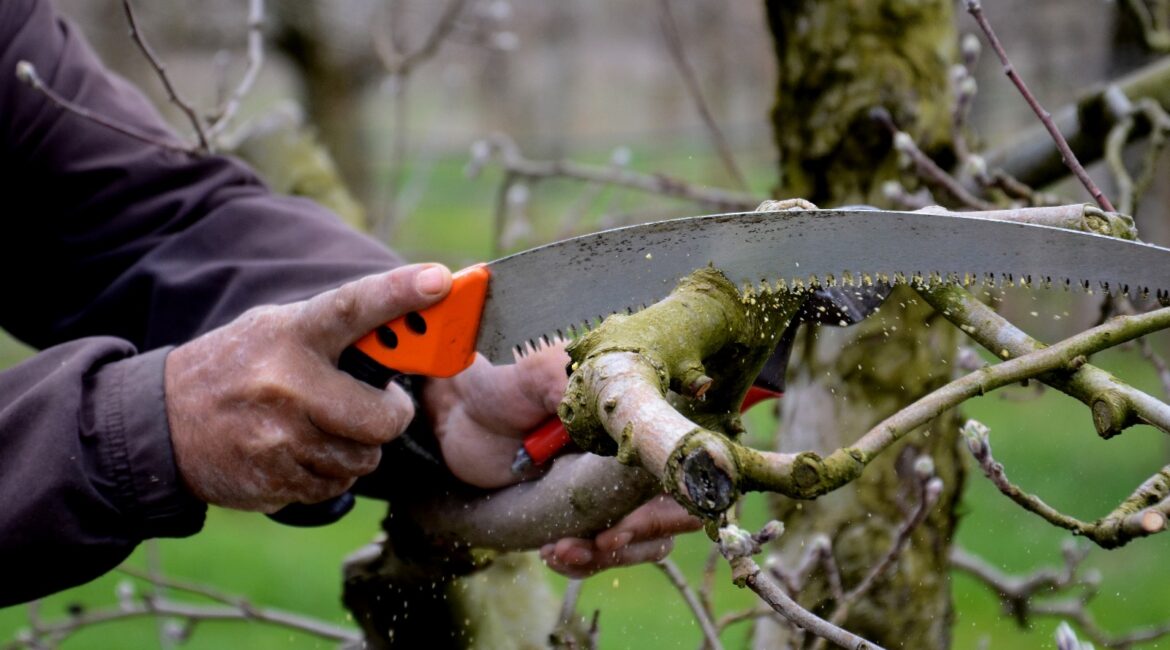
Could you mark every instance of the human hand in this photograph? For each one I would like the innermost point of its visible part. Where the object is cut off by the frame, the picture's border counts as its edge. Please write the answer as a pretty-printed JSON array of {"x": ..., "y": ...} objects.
[
  {"x": 260, "y": 415},
  {"x": 644, "y": 535},
  {"x": 481, "y": 416}
]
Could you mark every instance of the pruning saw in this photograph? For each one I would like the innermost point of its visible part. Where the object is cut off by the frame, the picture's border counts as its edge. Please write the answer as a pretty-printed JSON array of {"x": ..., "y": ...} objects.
[{"x": 512, "y": 305}]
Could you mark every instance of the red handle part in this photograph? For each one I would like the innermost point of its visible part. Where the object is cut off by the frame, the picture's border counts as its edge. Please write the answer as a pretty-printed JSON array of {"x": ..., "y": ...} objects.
[{"x": 546, "y": 441}]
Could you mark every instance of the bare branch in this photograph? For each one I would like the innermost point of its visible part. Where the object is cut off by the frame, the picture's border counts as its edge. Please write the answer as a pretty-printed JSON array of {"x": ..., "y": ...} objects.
[
  {"x": 505, "y": 150},
  {"x": 27, "y": 73},
  {"x": 975, "y": 8},
  {"x": 1022, "y": 596},
  {"x": 927, "y": 169},
  {"x": 1154, "y": 24},
  {"x": 255, "y": 60},
  {"x": 675, "y": 45},
  {"x": 398, "y": 64},
  {"x": 578, "y": 497},
  {"x": 205, "y": 144},
  {"x": 149, "y": 605},
  {"x": 1133, "y": 518},
  {"x": 737, "y": 545},
  {"x": 1115, "y": 405},
  {"x": 702, "y": 616},
  {"x": 929, "y": 488},
  {"x": 1033, "y": 158},
  {"x": 1129, "y": 190}
]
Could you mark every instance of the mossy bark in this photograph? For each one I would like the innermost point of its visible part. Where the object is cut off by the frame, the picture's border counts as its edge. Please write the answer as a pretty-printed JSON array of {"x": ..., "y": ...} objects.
[{"x": 837, "y": 59}]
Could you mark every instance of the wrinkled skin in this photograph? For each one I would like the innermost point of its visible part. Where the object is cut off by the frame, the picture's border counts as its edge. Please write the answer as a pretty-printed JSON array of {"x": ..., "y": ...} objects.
[{"x": 261, "y": 417}]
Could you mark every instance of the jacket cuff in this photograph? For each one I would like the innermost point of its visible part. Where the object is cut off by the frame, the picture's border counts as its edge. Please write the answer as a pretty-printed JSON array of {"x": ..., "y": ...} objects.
[{"x": 136, "y": 454}]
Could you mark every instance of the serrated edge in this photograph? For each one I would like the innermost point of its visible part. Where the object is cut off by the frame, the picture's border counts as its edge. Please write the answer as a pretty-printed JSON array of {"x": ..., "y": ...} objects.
[{"x": 986, "y": 279}]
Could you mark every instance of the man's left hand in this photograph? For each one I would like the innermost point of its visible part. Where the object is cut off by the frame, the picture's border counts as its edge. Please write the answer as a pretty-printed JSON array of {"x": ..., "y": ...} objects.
[{"x": 481, "y": 417}]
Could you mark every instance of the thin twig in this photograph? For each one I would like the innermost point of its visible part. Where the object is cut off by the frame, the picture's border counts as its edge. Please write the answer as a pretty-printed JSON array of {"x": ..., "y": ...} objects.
[
  {"x": 160, "y": 68},
  {"x": 150, "y": 605},
  {"x": 707, "y": 586},
  {"x": 1019, "y": 595},
  {"x": 737, "y": 545},
  {"x": 930, "y": 488},
  {"x": 223, "y": 116},
  {"x": 1133, "y": 518},
  {"x": 926, "y": 168},
  {"x": 677, "y": 49},
  {"x": 504, "y": 149},
  {"x": 975, "y": 8},
  {"x": 398, "y": 64},
  {"x": 702, "y": 616},
  {"x": 27, "y": 73},
  {"x": 750, "y": 614}
]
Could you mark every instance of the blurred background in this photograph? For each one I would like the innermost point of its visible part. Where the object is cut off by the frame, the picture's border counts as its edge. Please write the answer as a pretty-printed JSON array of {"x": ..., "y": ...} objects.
[{"x": 598, "y": 82}]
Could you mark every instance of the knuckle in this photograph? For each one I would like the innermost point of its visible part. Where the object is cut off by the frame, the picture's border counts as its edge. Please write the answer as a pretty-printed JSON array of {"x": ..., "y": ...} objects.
[
  {"x": 344, "y": 303},
  {"x": 268, "y": 385}
]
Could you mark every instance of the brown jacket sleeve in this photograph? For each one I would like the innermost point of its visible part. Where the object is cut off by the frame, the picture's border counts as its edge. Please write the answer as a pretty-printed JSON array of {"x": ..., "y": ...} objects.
[{"x": 114, "y": 249}]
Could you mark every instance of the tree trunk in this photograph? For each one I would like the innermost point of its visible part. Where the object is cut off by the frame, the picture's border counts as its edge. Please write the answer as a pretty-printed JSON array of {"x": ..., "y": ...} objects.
[{"x": 837, "y": 59}]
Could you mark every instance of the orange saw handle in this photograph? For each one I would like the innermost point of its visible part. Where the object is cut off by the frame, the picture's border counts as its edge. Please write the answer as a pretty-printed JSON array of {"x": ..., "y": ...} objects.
[
  {"x": 551, "y": 437},
  {"x": 438, "y": 341}
]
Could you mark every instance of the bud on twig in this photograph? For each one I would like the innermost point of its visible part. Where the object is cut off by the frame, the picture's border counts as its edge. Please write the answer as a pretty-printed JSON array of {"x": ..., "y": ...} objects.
[{"x": 976, "y": 434}]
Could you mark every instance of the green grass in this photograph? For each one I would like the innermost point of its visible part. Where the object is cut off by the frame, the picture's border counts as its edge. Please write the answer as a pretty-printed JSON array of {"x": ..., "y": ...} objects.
[{"x": 1047, "y": 444}]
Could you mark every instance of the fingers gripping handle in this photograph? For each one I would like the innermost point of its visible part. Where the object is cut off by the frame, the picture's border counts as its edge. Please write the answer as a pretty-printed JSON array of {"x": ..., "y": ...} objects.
[{"x": 438, "y": 342}]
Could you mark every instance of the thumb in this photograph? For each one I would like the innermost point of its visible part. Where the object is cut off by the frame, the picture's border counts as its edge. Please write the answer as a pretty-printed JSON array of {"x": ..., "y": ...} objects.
[{"x": 333, "y": 320}]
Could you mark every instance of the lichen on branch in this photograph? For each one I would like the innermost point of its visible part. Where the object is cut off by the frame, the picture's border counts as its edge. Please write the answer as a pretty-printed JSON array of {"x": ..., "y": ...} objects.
[{"x": 670, "y": 379}]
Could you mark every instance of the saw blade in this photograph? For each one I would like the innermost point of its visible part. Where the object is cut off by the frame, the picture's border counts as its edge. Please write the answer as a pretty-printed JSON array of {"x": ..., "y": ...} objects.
[{"x": 563, "y": 288}]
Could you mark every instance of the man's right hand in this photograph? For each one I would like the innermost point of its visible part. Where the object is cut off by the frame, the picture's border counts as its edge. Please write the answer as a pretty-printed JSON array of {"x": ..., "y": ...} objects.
[{"x": 260, "y": 415}]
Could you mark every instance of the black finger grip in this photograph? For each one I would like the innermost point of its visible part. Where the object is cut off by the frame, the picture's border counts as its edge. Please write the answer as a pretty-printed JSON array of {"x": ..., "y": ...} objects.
[{"x": 307, "y": 515}]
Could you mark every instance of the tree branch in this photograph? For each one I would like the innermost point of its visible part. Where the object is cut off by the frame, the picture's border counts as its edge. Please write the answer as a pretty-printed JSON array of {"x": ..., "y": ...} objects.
[
  {"x": 679, "y": 581},
  {"x": 1114, "y": 404},
  {"x": 205, "y": 144},
  {"x": 255, "y": 60},
  {"x": 578, "y": 497},
  {"x": 1021, "y": 595},
  {"x": 737, "y": 545},
  {"x": 503, "y": 149},
  {"x": 147, "y": 605},
  {"x": 1134, "y": 518},
  {"x": 975, "y": 8},
  {"x": 27, "y": 73},
  {"x": 674, "y": 45}
]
